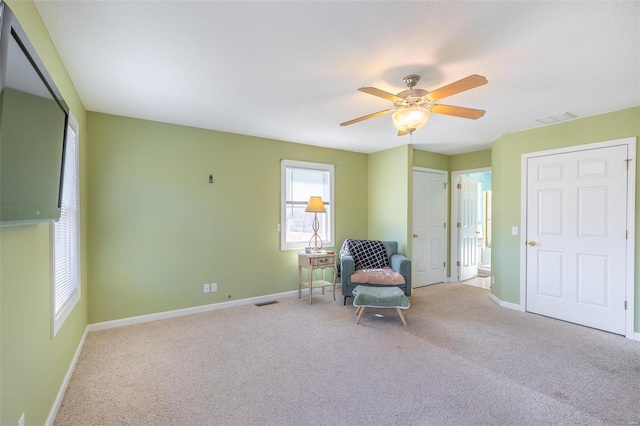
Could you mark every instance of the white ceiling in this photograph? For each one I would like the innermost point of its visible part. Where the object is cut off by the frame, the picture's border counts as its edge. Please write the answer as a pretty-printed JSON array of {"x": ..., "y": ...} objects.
[{"x": 290, "y": 70}]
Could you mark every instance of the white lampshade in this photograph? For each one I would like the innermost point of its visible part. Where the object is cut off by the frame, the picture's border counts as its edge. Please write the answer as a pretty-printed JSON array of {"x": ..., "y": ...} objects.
[{"x": 411, "y": 118}]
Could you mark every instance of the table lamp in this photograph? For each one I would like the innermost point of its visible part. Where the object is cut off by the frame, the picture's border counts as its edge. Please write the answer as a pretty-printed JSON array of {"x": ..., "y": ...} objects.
[{"x": 315, "y": 206}]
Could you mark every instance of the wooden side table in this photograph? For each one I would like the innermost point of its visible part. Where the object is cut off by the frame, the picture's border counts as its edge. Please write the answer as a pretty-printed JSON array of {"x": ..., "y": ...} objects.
[{"x": 312, "y": 262}]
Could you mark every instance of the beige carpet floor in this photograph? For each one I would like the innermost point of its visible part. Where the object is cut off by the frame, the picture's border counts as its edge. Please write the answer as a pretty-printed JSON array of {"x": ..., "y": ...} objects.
[{"x": 461, "y": 360}]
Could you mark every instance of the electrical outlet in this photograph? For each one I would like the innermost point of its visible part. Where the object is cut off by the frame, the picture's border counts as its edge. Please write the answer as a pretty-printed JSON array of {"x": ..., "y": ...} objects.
[
  {"x": 206, "y": 288},
  {"x": 514, "y": 230},
  {"x": 21, "y": 420},
  {"x": 214, "y": 287},
  {"x": 493, "y": 281}
]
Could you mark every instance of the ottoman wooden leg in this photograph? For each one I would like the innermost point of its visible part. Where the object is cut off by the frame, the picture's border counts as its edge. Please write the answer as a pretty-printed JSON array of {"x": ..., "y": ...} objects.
[
  {"x": 360, "y": 315},
  {"x": 399, "y": 311}
]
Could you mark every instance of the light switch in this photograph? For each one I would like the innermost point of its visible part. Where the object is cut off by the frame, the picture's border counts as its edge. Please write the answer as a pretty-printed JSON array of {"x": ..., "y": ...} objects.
[{"x": 514, "y": 230}]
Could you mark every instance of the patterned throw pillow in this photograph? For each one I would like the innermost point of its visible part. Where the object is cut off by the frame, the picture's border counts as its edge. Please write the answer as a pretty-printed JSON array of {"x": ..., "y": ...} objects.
[{"x": 368, "y": 254}]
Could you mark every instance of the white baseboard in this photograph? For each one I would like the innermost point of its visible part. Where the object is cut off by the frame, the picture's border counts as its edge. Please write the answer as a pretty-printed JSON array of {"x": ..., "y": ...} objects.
[
  {"x": 65, "y": 382},
  {"x": 187, "y": 311},
  {"x": 636, "y": 337},
  {"x": 509, "y": 305}
]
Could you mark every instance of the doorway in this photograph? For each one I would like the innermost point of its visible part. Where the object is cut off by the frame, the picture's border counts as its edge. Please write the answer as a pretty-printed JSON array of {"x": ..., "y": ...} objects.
[{"x": 471, "y": 232}]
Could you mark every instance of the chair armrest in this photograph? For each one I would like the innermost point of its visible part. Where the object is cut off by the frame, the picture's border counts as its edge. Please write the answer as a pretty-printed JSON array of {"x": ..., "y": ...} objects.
[
  {"x": 347, "y": 266},
  {"x": 402, "y": 265}
]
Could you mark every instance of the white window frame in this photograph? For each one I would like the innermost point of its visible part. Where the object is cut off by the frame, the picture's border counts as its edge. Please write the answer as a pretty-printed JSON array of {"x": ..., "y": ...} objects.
[
  {"x": 284, "y": 164},
  {"x": 58, "y": 318}
]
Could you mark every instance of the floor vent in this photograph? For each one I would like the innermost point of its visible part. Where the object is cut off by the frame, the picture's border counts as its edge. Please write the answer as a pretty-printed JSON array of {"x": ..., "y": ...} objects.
[{"x": 272, "y": 302}]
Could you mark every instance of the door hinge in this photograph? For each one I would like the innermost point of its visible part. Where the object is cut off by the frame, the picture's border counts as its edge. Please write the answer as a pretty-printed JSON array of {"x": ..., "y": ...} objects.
[
  {"x": 459, "y": 225},
  {"x": 626, "y": 235},
  {"x": 458, "y": 263},
  {"x": 625, "y": 305},
  {"x": 460, "y": 186},
  {"x": 445, "y": 224},
  {"x": 627, "y": 161},
  {"x": 444, "y": 264},
  {"x": 445, "y": 185}
]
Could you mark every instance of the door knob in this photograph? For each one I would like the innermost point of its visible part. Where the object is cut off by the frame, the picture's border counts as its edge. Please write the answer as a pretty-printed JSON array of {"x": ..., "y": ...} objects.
[
  {"x": 415, "y": 235},
  {"x": 532, "y": 243}
]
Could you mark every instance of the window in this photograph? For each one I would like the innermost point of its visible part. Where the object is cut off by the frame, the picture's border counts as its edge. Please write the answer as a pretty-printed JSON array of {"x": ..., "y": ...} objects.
[
  {"x": 299, "y": 181},
  {"x": 66, "y": 244}
]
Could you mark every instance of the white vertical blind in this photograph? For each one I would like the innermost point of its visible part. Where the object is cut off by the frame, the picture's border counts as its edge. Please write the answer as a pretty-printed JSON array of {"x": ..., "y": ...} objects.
[{"x": 66, "y": 289}]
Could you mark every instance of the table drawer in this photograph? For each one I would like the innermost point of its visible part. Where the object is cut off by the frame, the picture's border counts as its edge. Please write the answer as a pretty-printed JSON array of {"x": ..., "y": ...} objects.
[{"x": 322, "y": 261}]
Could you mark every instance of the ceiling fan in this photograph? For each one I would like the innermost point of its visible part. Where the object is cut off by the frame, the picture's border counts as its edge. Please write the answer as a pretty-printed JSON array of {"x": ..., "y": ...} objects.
[{"x": 414, "y": 106}]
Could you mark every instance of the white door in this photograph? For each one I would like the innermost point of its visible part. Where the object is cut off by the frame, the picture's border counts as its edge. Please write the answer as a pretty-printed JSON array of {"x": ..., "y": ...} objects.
[
  {"x": 468, "y": 227},
  {"x": 576, "y": 243},
  {"x": 429, "y": 228}
]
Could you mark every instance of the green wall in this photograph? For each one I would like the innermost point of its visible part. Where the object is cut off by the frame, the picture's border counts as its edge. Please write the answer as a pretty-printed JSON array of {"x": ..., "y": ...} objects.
[
  {"x": 159, "y": 230},
  {"x": 431, "y": 160},
  {"x": 389, "y": 199},
  {"x": 471, "y": 160},
  {"x": 32, "y": 363},
  {"x": 505, "y": 160}
]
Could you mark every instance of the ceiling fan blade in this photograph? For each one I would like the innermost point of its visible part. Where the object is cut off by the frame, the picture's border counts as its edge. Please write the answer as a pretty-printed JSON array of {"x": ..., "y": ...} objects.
[
  {"x": 380, "y": 93},
  {"x": 458, "y": 111},
  {"x": 403, "y": 132},
  {"x": 366, "y": 117},
  {"x": 466, "y": 83}
]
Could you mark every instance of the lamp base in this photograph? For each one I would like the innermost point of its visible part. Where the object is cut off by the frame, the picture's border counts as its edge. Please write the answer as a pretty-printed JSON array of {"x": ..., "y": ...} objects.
[
  {"x": 314, "y": 247},
  {"x": 315, "y": 238}
]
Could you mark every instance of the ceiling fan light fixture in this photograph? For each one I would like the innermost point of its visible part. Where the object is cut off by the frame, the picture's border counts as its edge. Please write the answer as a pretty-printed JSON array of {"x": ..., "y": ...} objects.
[{"x": 411, "y": 118}]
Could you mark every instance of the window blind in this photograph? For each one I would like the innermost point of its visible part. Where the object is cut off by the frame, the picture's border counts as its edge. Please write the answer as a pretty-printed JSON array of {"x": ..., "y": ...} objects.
[{"x": 66, "y": 289}]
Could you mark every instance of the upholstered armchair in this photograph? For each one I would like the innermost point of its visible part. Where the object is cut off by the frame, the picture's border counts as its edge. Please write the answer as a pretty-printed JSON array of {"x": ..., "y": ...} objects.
[{"x": 373, "y": 263}]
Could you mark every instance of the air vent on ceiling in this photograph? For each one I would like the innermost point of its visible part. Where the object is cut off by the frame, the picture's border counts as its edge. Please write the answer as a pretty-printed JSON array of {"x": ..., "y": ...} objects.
[{"x": 556, "y": 118}]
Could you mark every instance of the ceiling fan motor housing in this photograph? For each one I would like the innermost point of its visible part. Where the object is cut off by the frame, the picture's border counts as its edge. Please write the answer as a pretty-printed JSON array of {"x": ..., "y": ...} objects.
[{"x": 412, "y": 97}]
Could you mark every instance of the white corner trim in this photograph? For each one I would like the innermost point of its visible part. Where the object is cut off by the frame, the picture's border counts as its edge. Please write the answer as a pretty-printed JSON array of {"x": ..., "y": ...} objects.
[
  {"x": 187, "y": 311},
  {"x": 503, "y": 304},
  {"x": 65, "y": 382}
]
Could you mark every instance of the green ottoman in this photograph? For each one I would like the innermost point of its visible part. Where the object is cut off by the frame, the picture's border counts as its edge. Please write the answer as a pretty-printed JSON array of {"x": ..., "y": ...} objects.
[{"x": 379, "y": 297}]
